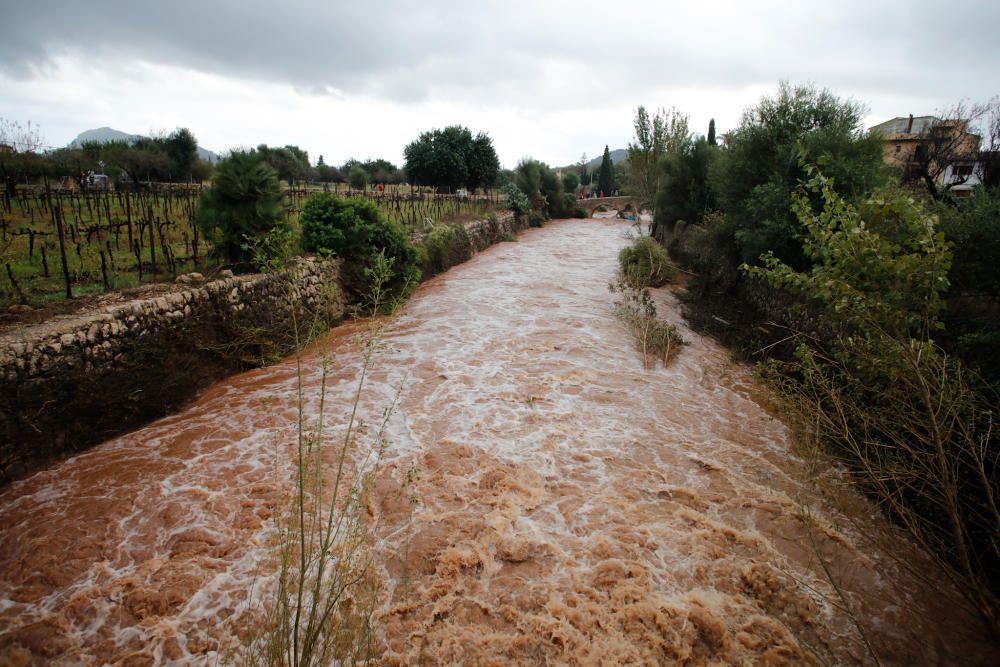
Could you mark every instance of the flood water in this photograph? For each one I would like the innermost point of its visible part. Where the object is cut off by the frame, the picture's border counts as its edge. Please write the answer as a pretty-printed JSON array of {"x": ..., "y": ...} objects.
[{"x": 571, "y": 505}]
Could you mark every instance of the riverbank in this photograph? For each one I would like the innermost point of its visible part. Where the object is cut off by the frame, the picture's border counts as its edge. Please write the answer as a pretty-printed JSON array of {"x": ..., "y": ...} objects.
[
  {"x": 80, "y": 378},
  {"x": 570, "y": 504}
]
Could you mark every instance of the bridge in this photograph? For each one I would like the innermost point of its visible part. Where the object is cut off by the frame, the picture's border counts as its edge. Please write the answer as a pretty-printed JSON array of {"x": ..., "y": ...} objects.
[{"x": 601, "y": 204}]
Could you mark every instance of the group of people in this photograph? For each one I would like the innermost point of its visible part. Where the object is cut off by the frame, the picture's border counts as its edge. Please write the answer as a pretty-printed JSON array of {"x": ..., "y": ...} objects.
[{"x": 595, "y": 194}]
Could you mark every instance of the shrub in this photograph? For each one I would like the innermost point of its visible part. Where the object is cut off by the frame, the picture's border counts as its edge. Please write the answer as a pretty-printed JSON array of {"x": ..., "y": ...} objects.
[
  {"x": 516, "y": 200},
  {"x": 656, "y": 338},
  {"x": 245, "y": 200},
  {"x": 645, "y": 263},
  {"x": 356, "y": 230},
  {"x": 873, "y": 387},
  {"x": 443, "y": 247}
]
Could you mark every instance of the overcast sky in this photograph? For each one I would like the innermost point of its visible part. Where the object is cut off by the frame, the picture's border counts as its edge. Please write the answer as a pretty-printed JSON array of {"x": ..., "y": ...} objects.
[{"x": 544, "y": 78}]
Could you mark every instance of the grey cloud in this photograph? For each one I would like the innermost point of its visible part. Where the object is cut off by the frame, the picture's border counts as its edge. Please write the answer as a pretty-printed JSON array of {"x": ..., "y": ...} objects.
[{"x": 406, "y": 51}]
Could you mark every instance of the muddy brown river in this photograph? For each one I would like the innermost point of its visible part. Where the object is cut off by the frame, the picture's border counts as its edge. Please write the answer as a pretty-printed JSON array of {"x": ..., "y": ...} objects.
[{"x": 571, "y": 505}]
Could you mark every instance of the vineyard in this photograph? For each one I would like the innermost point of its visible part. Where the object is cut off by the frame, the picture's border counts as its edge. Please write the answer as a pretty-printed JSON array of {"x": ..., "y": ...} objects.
[{"x": 56, "y": 245}]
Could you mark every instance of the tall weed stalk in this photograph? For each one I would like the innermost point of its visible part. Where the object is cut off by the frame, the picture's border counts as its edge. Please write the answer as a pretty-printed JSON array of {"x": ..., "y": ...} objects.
[{"x": 327, "y": 590}]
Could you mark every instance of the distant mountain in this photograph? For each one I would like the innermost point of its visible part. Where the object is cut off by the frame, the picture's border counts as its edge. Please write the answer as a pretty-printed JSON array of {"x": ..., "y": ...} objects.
[
  {"x": 103, "y": 135},
  {"x": 617, "y": 155}
]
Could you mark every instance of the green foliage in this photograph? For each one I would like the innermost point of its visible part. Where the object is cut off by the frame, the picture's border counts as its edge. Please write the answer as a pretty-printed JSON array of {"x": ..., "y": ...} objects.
[
  {"x": 245, "y": 200},
  {"x": 290, "y": 162},
  {"x": 271, "y": 252},
  {"x": 182, "y": 150},
  {"x": 871, "y": 385},
  {"x": 664, "y": 133},
  {"x": 973, "y": 315},
  {"x": 709, "y": 249},
  {"x": 763, "y": 165},
  {"x": 544, "y": 190},
  {"x": 356, "y": 230},
  {"x": 377, "y": 171},
  {"x": 357, "y": 177},
  {"x": 515, "y": 199},
  {"x": 657, "y": 339},
  {"x": 443, "y": 247},
  {"x": 887, "y": 274},
  {"x": 645, "y": 263},
  {"x": 570, "y": 182},
  {"x": 327, "y": 173},
  {"x": 605, "y": 175},
  {"x": 452, "y": 158},
  {"x": 686, "y": 192}
]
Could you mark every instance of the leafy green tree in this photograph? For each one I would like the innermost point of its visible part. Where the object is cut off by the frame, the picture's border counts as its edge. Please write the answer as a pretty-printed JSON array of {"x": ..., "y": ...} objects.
[
  {"x": 570, "y": 182},
  {"x": 142, "y": 160},
  {"x": 326, "y": 173},
  {"x": 606, "y": 174},
  {"x": 290, "y": 162},
  {"x": 245, "y": 201},
  {"x": 357, "y": 177},
  {"x": 452, "y": 158},
  {"x": 357, "y": 230},
  {"x": 543, "y": 188},
  {"x": 685, "y": 192},
  {"x": 482, "y": 162},
  {"x": 762, "y": 165},
  {"x": 656, "y": 136},
  {"x": 181, "y": 148}
]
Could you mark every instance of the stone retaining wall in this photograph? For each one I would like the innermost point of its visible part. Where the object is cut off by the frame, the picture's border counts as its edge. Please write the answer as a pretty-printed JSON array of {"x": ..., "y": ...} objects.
[
  {"x": 484, "y": 233},
  {"x": 66, "y": 384}
]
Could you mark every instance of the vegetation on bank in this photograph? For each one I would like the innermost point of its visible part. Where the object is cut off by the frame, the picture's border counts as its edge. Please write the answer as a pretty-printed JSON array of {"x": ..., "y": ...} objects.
[{"x": 870, "y": 301}]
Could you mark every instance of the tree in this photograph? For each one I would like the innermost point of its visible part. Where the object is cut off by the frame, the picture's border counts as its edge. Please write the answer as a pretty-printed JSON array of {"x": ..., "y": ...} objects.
[
  {"x": 605, "y": 175},
  {"x": 290, "y": 162},
  {"x": 711, "y": 132},
  {"x": 655, "y": 136},
  {"x": 764, "y": 159},
  {"x": 543, "y": 188},
  {"x": 482, "y": 162},
  {"x": 452, "y": 158},
  {"x": 245, "y": 200},
  {"x": 357, "y": 177},
  {"x": 583, "y": 171},
  {"x": 570, "y": 181},
  {"x": 325, "y": 172},
  {"x": 182, "y": 151},
  {"x": 685, "y": 190}
]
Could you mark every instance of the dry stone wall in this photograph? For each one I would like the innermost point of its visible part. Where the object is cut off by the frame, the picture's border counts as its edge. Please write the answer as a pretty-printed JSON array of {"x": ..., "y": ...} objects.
[{"x": 68, "y": 383}]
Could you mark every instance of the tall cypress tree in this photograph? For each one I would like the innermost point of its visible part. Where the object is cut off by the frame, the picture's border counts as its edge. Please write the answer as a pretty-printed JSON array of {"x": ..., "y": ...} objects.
[
  {"x": 606, "y": 176},
  {"x": 711, "y": 132}
]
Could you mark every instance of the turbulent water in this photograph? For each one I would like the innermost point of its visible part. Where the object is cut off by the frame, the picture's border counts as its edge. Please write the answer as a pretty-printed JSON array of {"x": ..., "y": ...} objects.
[{"x": 572, "y": 505}]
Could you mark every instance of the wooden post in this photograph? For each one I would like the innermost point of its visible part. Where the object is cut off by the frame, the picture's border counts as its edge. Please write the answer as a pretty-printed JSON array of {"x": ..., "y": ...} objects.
[{"x": 61, "y": 232}]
